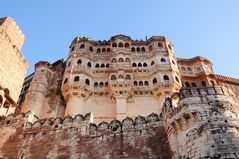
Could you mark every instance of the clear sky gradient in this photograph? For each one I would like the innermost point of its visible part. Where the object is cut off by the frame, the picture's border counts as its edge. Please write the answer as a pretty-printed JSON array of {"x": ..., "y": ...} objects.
[{"x": 208, "y": 28}]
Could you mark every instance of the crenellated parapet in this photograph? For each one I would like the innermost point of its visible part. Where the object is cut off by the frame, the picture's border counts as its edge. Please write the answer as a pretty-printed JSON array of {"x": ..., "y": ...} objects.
[{"x": 195, "y": 117}]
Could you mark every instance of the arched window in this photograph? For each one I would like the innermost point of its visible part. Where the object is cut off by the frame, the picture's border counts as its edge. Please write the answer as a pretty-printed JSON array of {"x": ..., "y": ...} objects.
[
  {"x": 102, "y": 65},
  {"x": 170, "y": 47},
  {"x": 87, "y": 82},
  {"x": 73, "y": 48},
  {"x": 91, "y": 48},
  {"x": 113, "y": 60},
  {"x": 140, "y": 83},
  {"x": 145, "y": 64},
  {"x": 187, "y": 84},
  {"x": 98, "y": 50},
  {"x": 143, "y": 49},
  {"x": 79, "y": 62},
  {"x": 138, "y": 49},
  {"x": 82, "y": 46},
  {"x": 97, "y": 65},
  {"x": 101, "y": 84},
  {"x": 106, "y": 84},
  {"x": 163, "y": 60},
  {"x": 189, "y": 69},
  {"x": 104, "y": 50},
  {"x": 108, "y": 49},
  {"x": 134, "y": 65},
  {"x": 126, "y": 45},
  {"x": 183, "y": 68},
  {"x": 76, "y": 79},
  {"x": 127, "y": 60},
  {"x": 65, "y": 81},
  {"x": 166, "y": 78},
  {"x": 139, "y": 65},
  {"x": 120, "y": 60},
  {"x": 113, "y": 77},
  {"x": 135, "y": 83},
  {"x": 160, "y": 45},
  {"x": 69, "y": 64},
  {"x": 89, "y": 64},
  {"x": 152, "y": 63},
  {"x": 146, "y": 83},
  {"x": 133, "y": 49},
  {"x": 121, "y": 45},
  {"x": 173, "y": 62},
  {"x": 128, "y": 77},
  {"x": 107, "y": 65},
  {"x": 193, "y": 84},
  {"x": 177, "y": 79},
  {"x": 96, "y": 84},
  {"x": 155, "y": 80},
  {"x": 121, "y": 77},
  {"x": 150, "y": 48},
  {"x": 204, "y": 84},
  {"x": 114, "y": 45},
  {"x": 212, "y": 83}
]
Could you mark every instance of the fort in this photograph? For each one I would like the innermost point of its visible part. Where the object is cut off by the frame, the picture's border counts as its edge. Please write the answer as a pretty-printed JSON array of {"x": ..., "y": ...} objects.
[{"x": 121, "y": 98}]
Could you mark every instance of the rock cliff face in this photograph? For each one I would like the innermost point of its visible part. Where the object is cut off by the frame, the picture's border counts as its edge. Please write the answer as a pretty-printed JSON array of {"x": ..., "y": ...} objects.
[{"x": 78, "y": 138}]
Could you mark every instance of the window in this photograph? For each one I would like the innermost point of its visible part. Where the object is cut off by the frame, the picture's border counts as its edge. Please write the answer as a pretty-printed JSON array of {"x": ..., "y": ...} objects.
[
  {"x": 107, "y": 65},
  {"x": 187, "y": 84},
  {"x": 163, "y": 60},
  {"x": 87, "y": 82},
  {"x": 113, "y": 77},
  {"x": 199, "y": 69},
  {"x": 173, "y": 62},
  {"x": 204, "y": 84},
  {"x": 189, "y": 69},
  {"x": 108, "y": 49},
  {"x": 69, "y": 64},
  {"x": 146, "y": 83},
  {"x": 160, "y": 45},
  {"x": 121, "y": 60},
  {"x": 143, "y": 49},
  {"x": 170, "y": 47},
  {"x": 82, "y": 46},
  {"x": 212, "y": 83},
  {"x": 140, "y": 83},
  {"x": 133, "y": 49},
  {"x": 121, "y": 77},
  {"x": 97, "y": 65},
  {"x": 177, "y": 79},
  {"x": 104, "y": 50},
  {"x": 76, "y": 79},
  {"x": 126, "y": 45},
  {"x": 139, "y": 65},
  {"x": 101, "y": 84},
  {"x": 154, "y": 80},
  {"x": 96, "y": 84},
  {"x": 106, "y": 84},
  {"x": 128, "y": 77},
  {"x": 114, "y": 45},
  {"x": 65, "y": 81},
  {"x": 98, "y": 50},
  {"x": 121, "y": 45},
  {"x": 79, "y": 61},
  {"x": 135, "y": 83},
  {"x": 145, "y": 64},
  {"x": 73, "y": 48},
  {"x": 91, "y": 48},
  {"x": 138, "y": 49},
  {"x": 152, "y": 63},
  {"x": 127, "y": 60},
  {"x": 166, "y": 78},
  {"x": 150, "y": 48},
  {"x": 113, "y": 60},
  {"x": 89, "y": 64},
  {"x": 183, "y": 68},
  {"x": 193, "y": 84},
  {"x": 102, "y": 65},
  {"x": 134, "y": 65}
]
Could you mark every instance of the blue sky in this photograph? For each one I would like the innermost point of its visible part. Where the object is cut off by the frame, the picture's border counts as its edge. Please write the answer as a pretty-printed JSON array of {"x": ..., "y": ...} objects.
[{"x": 208, "y": 28}]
